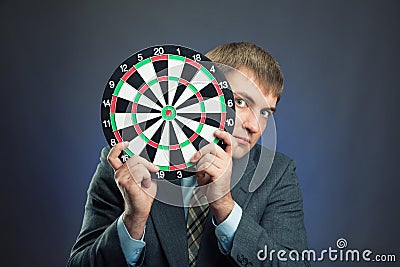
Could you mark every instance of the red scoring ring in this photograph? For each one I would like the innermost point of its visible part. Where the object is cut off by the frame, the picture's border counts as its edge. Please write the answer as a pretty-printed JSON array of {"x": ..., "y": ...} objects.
[
  {"x": 177, "y": 167},
  {"x": 168, "y": 113},
  {"x": 202, "y": 114}
]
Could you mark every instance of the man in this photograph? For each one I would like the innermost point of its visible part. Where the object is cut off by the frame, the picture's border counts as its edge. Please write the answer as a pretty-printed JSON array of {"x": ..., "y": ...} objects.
[{"x": 126, "y": 225}]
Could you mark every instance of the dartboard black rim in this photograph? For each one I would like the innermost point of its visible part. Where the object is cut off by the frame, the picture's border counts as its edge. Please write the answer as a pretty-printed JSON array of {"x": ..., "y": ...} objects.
[{"x": 162, "y": 89}]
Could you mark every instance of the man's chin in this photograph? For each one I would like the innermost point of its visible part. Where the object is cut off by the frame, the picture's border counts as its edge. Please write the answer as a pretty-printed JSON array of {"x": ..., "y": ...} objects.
[{"x": 240, "y": 151}]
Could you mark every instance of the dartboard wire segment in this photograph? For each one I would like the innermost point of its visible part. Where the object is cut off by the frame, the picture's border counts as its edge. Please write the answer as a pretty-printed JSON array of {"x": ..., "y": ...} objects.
[{"x": 167, "y": 103}]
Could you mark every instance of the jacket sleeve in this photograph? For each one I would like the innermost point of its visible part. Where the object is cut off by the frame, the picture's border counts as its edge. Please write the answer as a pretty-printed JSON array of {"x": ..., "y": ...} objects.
[
  {"x": 279, "y": 227},
  {"x": 98, "y": 243}
]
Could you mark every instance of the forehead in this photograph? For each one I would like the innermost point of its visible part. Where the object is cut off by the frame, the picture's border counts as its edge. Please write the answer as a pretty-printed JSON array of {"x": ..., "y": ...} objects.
[{"x": 245, "y": 84}]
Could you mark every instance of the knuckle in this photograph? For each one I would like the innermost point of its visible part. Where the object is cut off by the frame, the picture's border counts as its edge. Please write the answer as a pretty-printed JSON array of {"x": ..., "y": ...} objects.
[
  {"x": 120, "y": 182},
  {"x": 211, "y": 158},
  {"x": 117, "y": 174},
  {"x": 109, "y": 157},
  {"x": 204, "y": 167}
]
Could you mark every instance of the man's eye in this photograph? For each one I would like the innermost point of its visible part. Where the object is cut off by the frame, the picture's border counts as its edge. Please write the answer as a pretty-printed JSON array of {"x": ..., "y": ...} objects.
[
  {"x": 240, "y": 102},
  {"x": 266, "y": 113}
]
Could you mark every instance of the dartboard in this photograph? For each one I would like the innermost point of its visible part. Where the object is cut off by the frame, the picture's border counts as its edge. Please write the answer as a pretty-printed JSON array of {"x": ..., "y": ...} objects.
[{"x": 166, "y": 101}]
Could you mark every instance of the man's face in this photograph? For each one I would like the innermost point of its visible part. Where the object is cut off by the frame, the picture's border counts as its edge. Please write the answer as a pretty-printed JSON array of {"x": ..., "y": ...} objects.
[{"x": 253, "y": 107}]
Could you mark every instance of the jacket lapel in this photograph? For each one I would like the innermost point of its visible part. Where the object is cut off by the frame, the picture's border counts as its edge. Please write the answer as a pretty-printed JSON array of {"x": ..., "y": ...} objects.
[{"x": 240, "y": 192}]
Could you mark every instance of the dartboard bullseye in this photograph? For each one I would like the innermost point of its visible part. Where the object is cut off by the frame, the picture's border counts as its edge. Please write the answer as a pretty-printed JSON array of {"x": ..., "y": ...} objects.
[{"x": 167, "y": 102}]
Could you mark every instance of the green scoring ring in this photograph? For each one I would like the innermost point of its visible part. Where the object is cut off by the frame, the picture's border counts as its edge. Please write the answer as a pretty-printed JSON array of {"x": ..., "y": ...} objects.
[{"x": 168, "y": 112}]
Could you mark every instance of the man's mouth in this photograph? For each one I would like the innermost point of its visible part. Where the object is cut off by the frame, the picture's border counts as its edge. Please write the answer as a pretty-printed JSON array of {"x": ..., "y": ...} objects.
[{"x": 242, "y": 140}]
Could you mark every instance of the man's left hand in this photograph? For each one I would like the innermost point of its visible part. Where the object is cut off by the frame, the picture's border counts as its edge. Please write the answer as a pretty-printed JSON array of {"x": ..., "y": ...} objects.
[{"x": 214, "y": 170}]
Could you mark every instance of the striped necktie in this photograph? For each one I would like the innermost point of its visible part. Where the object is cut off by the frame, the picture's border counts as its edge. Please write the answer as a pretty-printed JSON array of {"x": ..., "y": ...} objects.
[{"x": 195, "y": 224}]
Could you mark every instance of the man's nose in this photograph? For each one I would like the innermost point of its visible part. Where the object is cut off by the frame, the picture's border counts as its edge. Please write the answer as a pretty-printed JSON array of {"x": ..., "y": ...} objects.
[{"x": 250, "y": 122}]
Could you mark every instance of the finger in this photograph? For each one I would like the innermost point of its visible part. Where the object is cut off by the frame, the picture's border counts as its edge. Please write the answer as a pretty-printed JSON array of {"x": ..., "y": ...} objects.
[
  {"x": 139, "y": 173},
  {"x": 151, "y": 190},
  {"x": 202, "y": 178},
  {"x": 124, "y": 179},
  {"x": 114, "y": 153},
  {"x": 226, "y": 138},
  {"x": 142, "y": 176},
  {"x": 121, "y": 174},
  {"x": 211, "y": 148},
  {"x": 135, "y": 160},
  {"x": 146, "y": 178},
  {"x": 146, "y": 183},
  {"x": 209, "y": 159},
  {"x": 209, "y": 170}
]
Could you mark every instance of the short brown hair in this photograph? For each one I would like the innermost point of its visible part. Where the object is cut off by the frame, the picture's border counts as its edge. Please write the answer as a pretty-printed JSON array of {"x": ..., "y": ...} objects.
[{"x": 245, "y": 54}]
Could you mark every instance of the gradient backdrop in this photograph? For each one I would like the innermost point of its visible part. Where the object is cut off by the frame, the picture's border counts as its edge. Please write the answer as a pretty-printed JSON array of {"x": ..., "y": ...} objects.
[{"x": 338, "y": 118}]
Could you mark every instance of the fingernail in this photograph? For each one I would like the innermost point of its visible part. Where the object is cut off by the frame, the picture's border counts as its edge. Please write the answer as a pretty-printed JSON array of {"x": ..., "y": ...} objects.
[{"x": 126, "y": 144}]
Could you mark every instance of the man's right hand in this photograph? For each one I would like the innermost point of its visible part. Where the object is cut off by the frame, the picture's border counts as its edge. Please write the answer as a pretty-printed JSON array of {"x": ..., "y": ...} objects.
[{"x": 138, "y": 190}]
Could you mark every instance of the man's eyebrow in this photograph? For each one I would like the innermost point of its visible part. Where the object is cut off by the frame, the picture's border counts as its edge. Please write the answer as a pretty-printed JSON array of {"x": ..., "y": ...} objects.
[
  {"x": 271, "y": 109},
  {"x": 248, "y": 97}
]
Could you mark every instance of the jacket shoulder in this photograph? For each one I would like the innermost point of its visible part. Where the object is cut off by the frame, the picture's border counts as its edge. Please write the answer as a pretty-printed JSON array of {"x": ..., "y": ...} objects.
[
  {"x": 271, "y": 168},
  {"x": 277, "y": 161}
]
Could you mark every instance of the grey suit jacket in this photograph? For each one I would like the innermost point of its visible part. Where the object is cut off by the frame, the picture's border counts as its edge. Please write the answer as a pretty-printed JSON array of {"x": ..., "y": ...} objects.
[{"x": 272, "y": 216}]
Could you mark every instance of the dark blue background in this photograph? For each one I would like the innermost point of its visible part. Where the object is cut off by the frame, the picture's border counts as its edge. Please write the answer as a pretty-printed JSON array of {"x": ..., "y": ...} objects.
[{"x": 338, "y": 117}]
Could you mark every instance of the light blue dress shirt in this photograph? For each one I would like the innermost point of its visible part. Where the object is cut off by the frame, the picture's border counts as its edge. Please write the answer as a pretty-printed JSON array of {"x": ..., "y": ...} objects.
[{"x": 225, "y": 231}]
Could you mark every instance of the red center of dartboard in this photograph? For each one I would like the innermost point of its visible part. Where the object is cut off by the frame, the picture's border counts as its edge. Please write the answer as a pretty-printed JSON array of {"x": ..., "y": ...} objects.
[{"x": 168, "y": 112}]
